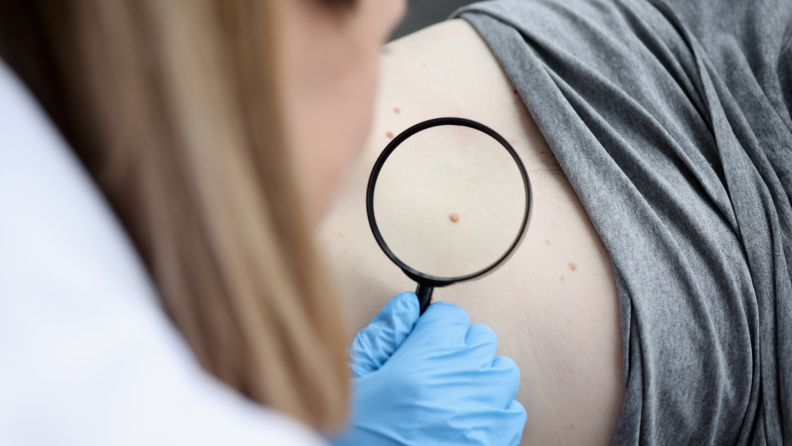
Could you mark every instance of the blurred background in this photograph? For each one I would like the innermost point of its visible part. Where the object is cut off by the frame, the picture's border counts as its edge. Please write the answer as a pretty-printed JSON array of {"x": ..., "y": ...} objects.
[{"x": 422, "y": 13}]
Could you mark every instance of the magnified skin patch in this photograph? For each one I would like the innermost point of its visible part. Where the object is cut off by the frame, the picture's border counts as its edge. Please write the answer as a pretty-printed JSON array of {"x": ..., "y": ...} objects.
[{"x": 460, "y": 169}]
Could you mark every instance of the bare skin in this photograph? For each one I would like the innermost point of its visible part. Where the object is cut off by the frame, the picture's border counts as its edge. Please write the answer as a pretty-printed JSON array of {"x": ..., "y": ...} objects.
[{"x": 554, "y": 304}]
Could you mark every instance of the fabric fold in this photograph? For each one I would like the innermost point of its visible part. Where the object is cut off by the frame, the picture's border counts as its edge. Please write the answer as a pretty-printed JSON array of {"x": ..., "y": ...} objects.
[{"x": 672, "y": 122}]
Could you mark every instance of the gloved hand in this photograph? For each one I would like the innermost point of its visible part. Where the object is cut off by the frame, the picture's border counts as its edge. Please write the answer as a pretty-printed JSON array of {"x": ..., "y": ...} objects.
[{"x": 431, "y": 380}]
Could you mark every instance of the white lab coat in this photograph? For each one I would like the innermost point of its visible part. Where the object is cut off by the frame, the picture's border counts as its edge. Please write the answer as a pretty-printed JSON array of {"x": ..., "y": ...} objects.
[{"x": 87, "y": 356}]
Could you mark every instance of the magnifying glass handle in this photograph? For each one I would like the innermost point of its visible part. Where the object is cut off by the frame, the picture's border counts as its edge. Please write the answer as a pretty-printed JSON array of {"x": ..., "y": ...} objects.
[{"x": 424, "y": 294}]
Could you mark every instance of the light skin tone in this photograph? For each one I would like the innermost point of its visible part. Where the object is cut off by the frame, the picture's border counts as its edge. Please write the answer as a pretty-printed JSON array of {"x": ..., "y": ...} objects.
[
  {"x": 330, "y": 72},
  {"x": 554, "y": 304}
]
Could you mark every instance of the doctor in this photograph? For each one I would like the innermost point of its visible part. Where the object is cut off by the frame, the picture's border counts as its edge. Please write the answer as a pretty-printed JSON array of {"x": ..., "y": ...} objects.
[{"x": 162, "y": 167}]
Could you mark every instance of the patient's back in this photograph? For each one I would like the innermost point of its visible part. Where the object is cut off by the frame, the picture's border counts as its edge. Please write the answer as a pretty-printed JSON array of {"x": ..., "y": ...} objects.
[{"x": 553, "y": 304}]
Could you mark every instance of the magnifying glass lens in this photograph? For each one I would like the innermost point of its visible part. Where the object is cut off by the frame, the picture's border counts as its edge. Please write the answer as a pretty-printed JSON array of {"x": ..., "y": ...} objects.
[{"x": 450, "y": 201}]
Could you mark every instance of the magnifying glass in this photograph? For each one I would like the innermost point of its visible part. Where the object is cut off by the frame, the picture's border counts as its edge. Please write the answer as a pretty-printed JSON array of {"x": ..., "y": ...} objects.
[{"x": 452, "y": 204}]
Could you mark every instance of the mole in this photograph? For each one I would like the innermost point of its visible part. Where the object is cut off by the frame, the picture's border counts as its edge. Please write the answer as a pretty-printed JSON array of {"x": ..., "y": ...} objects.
[
  {"x": 547, "y": 242},
  {"x": 389, "y": 135},
  {"x": 572, "y": 267},
  {"x": 454, "y": 217},
  {"x": 396, "y": 110}
]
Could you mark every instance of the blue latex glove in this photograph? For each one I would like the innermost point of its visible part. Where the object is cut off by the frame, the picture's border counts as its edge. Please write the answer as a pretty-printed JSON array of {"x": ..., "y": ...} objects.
[{"x": 431, "y": 380}]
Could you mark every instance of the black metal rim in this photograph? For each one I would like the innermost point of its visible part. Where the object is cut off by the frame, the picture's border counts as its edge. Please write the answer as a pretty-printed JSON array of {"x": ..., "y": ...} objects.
[{"x": 418, "y": 276}]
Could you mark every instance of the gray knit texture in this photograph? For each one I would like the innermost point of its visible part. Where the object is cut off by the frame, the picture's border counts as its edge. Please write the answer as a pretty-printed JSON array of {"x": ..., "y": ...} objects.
[{"x": 672, "y": 122}]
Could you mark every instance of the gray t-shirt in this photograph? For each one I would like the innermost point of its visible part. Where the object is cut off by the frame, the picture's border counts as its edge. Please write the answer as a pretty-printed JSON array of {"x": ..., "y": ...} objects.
[{"x": 672, "y": 122}]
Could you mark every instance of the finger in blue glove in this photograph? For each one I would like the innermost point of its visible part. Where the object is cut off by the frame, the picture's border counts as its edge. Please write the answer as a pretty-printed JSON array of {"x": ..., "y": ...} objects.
[{"x": 384, "y": 335}]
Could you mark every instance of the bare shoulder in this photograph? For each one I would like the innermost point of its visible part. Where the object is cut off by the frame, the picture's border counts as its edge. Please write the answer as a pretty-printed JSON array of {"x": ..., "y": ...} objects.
[{"x": 554, "y": 304}]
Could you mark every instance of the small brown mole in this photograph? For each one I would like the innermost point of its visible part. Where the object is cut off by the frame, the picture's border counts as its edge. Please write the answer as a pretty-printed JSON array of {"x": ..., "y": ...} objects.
[
  {"x": 396, "y": 110},
  {"x": 562, "y": 278},
  {"x": 573, "y": 267},
  {"x": 547, "y": 242},
  {"x": 454, "y": 217},
  {"x": 389, "y": 135}
]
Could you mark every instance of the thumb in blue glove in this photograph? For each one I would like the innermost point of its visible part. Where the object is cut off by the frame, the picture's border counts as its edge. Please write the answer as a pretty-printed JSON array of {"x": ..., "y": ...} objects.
[
  {"x": 433, "y": 379},
  {"x": 384, "y": 335}
]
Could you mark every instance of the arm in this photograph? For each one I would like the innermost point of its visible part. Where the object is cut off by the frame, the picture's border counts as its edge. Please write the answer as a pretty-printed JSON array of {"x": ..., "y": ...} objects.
[{"x": 554, "y": 304}]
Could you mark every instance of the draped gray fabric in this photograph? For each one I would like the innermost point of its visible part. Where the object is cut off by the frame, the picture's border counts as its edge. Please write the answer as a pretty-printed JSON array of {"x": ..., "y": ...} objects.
[{"x": 672, "y": 122}]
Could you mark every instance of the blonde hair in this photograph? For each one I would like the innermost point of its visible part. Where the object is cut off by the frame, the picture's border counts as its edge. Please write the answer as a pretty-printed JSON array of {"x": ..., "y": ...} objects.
[{"x": 173, "y": 106}]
